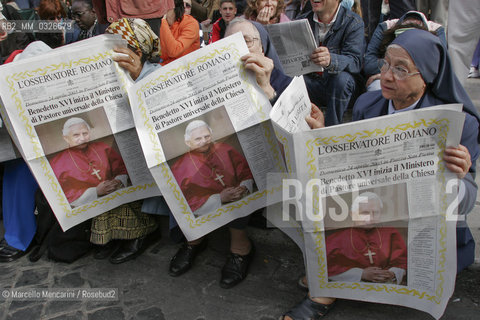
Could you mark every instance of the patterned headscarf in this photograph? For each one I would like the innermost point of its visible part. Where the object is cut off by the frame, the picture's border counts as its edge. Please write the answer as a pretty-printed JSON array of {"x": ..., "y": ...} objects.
[{"x": 138, "y": 34}]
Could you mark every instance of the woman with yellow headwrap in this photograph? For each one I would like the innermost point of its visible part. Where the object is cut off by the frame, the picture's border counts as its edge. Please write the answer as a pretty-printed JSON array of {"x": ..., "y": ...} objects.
[
  {"x": 128, "y": 223},
  {"x": 143, "y": 45}
]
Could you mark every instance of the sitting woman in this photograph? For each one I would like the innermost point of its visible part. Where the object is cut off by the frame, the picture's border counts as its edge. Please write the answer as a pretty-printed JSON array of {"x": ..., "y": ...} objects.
[
  {"x": 179, "y": 34},
  {"x": 266, "y": 11},
  {"x": 417, "y": 73},
  {"x": 384, "y": 35},
  {"x": 132, "y": 229}
]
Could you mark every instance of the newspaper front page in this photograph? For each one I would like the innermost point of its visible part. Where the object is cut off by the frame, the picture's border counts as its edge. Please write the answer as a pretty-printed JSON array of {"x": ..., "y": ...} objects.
[
  {"x": 202, "y": 123},
  {"x": 70, "y": 112},
  {"x": 294, "y": 43},
  {"x": 377, "y": 208}
]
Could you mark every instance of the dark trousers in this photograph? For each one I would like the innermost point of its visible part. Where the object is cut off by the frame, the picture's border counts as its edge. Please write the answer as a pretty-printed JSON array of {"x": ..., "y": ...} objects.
[
  {"x": 333, "y": 91},
  {"x": 371, "y": 10}
]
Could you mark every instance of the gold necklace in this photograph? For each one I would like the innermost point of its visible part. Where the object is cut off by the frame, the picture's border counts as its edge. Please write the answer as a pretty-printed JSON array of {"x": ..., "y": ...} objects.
[
  {"x": 219, "y": 177},
  {"x": 89, "y": 164},
  {"x": 367, "y": 247}
]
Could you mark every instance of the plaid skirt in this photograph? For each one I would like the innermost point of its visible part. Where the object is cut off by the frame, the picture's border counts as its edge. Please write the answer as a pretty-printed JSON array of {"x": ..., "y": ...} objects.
[{"x": 126, "y": 222}]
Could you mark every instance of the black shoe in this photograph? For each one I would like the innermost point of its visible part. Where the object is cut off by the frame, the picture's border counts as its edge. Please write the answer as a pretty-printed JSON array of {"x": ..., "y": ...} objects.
[
  {"x": 128, "y": 250},
  {"x": 9, "y": 253},
  {"x": 104, "y": 251},
  {"x": 236, "y": 269},
  {"x": 182, "y": 261}
]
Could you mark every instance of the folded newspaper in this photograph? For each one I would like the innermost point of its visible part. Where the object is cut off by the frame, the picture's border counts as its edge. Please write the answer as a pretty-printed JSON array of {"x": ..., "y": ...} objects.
[
  {"x": 203, "y": 125},
  {"x": 372, "y": 205},
  {"x": 69, "y": 113},
  {"x": 294, "y": 43}
]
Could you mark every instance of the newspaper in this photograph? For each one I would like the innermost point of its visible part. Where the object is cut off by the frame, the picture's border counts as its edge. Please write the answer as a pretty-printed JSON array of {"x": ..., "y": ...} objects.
[
  {"x": 376, "y": 207},
  {"x": 211, "y": 175},
  {"x": 69, "y": 111},
  {"x": 294, "y": 43}
]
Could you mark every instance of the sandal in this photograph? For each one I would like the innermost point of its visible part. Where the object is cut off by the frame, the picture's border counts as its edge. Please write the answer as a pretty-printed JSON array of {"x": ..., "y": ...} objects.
[
  {"x": 301, "y": 284},
  {"x": 308, "y": 310}
]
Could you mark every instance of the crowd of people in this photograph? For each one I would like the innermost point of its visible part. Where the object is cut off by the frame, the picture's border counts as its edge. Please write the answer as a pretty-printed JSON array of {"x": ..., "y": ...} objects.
[{"x": 376, "y": 62}]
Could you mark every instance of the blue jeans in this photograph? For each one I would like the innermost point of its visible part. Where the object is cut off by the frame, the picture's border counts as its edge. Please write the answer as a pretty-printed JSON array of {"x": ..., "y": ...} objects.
[{"x": 333, "y": 91}]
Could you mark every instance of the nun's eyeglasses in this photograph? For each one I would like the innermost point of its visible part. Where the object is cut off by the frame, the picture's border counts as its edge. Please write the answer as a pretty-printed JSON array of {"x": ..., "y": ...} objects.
[
  {"x": 399, "y": 73},
  {"x": 250, "y": 40}
]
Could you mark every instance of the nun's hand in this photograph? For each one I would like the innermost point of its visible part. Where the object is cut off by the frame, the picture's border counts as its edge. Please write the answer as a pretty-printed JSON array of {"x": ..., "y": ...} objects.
[
  {"x": 458, "y": 160},
  {"x": 129, "y": 60},
  {"x": 315, "y": 120},
  {"x": 262, "y": 67},
  {"x": 321, "y": 56}
]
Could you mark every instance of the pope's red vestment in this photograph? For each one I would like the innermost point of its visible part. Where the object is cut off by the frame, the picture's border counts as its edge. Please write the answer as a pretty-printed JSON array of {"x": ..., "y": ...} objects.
[
  {"x": 74, "y": 168},
  {"x": 198, "y": 174},
  {"x": 348, "y": 248}
]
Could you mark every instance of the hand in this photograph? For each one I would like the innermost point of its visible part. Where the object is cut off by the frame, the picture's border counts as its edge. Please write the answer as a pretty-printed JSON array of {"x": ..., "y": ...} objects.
[
  {"x": 132, "y": 62},
  {"x": 206, "y": 23},
  {"x": 373, "y": 78},
  {"x": 321, "y": 56},
  {"x": 262, "y": 67},
  {"x": 241, "y": 191},
  {"x": 106, "y": 187},
  {"x": 229, "y": 194},
  {"x": 118, "y": 184},
  {"x": 315, "y": 120},
  {"x": 170, "y": 17},
  {"x": 265, "y": 15},
  {"x": 458, "y": 160},
  {"x": 376, "y": 274},
  {"x": 3, "y": 32}
]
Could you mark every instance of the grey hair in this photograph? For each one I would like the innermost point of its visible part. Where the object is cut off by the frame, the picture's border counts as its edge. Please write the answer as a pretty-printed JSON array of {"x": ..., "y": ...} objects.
[
  {"x": 394, "y": 46},
  {"x": 194, "y": 125},
  {"x": 71, "y": 122},
  {"x": 365, "y": 196},
  {"x": 238, "y": 20}
]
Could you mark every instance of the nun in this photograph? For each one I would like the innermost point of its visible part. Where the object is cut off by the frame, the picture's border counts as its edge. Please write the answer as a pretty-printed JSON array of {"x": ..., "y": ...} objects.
[{"x": 417, "y": 73}]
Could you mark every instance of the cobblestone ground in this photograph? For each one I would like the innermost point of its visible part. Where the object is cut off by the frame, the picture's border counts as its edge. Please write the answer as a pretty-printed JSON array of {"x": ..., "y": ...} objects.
[{"x": 145, "y": 291}]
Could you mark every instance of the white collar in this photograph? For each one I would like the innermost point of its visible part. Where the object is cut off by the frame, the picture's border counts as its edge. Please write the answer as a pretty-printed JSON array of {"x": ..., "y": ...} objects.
[{"x": 392, "y": 110}]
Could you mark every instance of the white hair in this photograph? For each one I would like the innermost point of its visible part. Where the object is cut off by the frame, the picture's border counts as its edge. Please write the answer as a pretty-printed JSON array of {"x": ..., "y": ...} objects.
[
  {"x": 240, "y": 20},
  {"x": 194, "y": 125},
  {"x": 71, "y": 122},
  {"x": 364, "y": 198}
]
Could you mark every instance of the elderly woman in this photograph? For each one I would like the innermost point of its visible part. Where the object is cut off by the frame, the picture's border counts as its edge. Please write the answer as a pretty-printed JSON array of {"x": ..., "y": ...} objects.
[
  {"x": 417, "y": 73},
  {"x": 262, "y": 61},
  {"x": 266, "y": 11}
]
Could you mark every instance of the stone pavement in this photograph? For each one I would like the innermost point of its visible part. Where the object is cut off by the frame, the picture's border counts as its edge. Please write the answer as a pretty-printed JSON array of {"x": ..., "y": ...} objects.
[{"x": 146, "y": 291}]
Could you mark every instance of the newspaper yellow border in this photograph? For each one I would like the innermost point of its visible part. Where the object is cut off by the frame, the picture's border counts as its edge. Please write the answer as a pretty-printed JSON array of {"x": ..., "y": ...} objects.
[
  {"x": 153, "y": 137},
  {"x": 194, "y": 222},
  {"x": 46, "y": 168},
  {"x": 312, "y": 144},
  {"x": 160, "y": 160}
]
